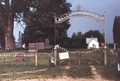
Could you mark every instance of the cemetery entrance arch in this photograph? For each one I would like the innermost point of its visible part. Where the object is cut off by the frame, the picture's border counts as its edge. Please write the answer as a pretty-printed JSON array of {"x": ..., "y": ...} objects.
[{"x": 77, "y": 13}]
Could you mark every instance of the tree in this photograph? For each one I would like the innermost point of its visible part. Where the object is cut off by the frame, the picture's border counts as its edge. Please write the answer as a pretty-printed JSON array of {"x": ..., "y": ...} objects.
[
  {"x": 2, "y": 38},
  {"x": 116, "y": 30},
  {"x": 76, "y": 39},
  {"x": 11, "y": 10},
  {"x": 40, "y": 21}
]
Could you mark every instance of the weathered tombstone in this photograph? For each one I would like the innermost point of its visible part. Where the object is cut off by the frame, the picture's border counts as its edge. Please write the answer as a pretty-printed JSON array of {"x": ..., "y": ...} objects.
[
  {"x": 40, "y": 46},
  {"x": 32, "y": 48},
  {"x": 47, "y": 42}
]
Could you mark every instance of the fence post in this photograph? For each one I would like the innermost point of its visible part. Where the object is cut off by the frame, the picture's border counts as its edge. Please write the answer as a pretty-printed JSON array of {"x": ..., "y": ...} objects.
[
  {"x": 79, "y": 58},
  {"x": 36, "y": 58},
  {"x": 55, "y": 55},
  {"x": 49, "y": 60},
  {"x": 105, "y": 56}
]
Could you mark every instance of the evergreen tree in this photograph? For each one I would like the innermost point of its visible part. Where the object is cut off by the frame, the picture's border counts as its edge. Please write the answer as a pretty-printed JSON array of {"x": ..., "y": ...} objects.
[{"x": 116, "y": 30}]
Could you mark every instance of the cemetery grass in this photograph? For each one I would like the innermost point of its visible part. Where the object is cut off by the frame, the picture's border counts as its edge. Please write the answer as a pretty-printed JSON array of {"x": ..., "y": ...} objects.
[{"x": 74, "y": 70}]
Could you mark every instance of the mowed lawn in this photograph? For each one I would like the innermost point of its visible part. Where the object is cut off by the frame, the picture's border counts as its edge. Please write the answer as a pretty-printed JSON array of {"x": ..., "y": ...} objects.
[{"x": 69, "y": 67}]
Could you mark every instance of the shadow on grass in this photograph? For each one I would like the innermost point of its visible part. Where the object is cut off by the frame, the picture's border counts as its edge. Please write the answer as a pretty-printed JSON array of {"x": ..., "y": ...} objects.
[
  {"x": 82, "y": 71},
  {"x": 108, "y": 72},
  {"x": 19, "y": 68}
]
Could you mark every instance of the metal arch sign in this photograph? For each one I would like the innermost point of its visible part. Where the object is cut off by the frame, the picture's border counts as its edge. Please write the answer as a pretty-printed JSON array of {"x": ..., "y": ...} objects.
[{"x": 82, "y": 13}]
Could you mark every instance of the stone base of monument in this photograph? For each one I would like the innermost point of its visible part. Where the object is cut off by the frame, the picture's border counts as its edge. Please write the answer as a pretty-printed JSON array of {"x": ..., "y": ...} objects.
[{"x": 32, "y": 51}]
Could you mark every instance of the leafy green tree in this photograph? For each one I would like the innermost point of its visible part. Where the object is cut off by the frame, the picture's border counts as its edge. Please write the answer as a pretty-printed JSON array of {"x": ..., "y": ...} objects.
[
  {"x": 40, "y": 21},
  {"x": 116, "y": 30},
  {"x": 10, "y": 11},
  {"x": 76, "y": 39}
]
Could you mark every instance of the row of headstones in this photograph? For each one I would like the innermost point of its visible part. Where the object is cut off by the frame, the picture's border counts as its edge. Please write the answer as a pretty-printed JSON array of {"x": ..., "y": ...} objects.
[{"x": 40, "y": 46}]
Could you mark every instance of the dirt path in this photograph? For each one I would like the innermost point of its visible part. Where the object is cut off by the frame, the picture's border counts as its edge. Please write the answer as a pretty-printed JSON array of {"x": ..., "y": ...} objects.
[
  {"x": 23, "y": 72},
  {"x": 65, "y": 78},
  {"x": 96, "y": 75}
]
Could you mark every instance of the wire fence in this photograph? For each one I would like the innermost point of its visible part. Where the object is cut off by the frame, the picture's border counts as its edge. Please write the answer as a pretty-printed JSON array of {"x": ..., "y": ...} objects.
[
  {"x": 17, "y": 59},
  {"x": 91, "y": 56}
]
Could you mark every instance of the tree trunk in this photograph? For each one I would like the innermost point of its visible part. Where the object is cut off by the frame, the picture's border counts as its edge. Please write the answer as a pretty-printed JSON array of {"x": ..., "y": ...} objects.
[{"x": 9, "y": 39}]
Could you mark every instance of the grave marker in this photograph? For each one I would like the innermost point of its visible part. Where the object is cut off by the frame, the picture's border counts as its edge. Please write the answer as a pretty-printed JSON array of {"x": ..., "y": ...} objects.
[
  {"x": 40, "y": 46},
  {"x": 32, "y": 48},
  {"x": 47, "y": 44}
]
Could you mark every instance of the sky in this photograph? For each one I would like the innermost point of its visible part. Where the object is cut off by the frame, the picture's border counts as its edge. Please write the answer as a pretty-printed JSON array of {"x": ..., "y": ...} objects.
[{"x": 84, "y": 24}]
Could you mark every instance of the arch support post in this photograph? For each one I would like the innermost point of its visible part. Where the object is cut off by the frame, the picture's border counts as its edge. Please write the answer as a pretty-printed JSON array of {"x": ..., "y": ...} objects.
[
  {"x": 105, "y": 48},
  {"x": 55, "y": 55},
  {"x": 54, "y": 32},
  {"x": 105, "y": 56},
  {"x": 104, "y": 29},
  {"x": 55, "y": 49}
]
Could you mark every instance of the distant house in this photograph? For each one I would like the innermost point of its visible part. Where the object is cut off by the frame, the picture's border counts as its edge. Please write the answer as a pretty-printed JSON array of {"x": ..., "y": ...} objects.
[{"x": 92, "y": 43}]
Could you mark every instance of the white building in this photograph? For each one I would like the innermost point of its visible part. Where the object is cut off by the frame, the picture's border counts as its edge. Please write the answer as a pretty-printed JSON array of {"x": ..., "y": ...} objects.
[{"x": 92, "y": 43}]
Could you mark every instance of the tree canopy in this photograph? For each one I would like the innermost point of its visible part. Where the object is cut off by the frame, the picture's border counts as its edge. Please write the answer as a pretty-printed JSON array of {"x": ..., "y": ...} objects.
[
  {"x": 76, "y": 39},
  {"x": 40, "y": 21},
  {"x": 116, "y": 30}
]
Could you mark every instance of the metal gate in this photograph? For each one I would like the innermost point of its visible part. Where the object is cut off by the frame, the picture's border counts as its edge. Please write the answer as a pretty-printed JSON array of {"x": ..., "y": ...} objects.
[{"x": 92, "y": 56}]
